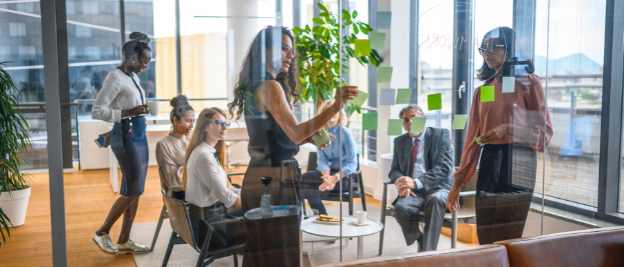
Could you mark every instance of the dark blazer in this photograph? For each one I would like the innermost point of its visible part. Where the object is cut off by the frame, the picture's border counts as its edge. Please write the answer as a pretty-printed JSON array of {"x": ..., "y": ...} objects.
[{"x": 438, "y": 160}]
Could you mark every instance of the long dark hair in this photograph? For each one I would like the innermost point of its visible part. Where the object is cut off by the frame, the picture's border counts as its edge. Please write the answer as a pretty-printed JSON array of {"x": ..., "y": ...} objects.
[
  {"x": 507, "y": 37},
  {"x": 136, "y": 45},
  {"x": 180, "y": 106},
  {"x": 252, "y": 75}
]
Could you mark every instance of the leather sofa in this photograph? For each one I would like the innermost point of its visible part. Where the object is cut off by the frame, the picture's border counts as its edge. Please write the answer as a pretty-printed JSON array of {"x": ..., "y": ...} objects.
[{"x": 601, "y": 247}]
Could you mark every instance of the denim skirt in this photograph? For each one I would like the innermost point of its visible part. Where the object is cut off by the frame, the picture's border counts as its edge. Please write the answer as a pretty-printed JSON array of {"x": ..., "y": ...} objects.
[{"x": 129, "y": 145}]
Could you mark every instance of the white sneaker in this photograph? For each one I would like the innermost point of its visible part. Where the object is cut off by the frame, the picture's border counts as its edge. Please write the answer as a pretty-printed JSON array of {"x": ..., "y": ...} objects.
[
  {"x": 105, "y": 243},
  {"x": 131, "y": 247}
]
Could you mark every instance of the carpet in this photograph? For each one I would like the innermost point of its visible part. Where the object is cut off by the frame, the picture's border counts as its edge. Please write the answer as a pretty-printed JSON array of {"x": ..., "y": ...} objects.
[{"x": 184, "y": 255}]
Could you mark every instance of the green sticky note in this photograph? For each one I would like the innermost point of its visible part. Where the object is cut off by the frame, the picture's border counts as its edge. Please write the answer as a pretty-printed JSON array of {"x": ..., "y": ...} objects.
[
  {"x": 434, "y": 101},
  {"x": 384, "y": 20},
  {"x": 362, "y": 48},
  {"x": 418, "y": 125},
  {"x": 369, "y": 121},
  {"x": 487, "y": 93},
  {"x": 403, "y": 96},
  {"x": 359, "y": 99},
  {"x": 395, "y": 127},
  {"x": 384, "y": 74},
  {"x": 377, "y": 40},
  {"x": 322, "y": 139},
  {"x": 460, "y": 122}
]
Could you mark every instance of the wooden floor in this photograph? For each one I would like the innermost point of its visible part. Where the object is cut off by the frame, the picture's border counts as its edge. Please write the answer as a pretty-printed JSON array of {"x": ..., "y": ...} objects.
[{"x": 88, "y": 198}]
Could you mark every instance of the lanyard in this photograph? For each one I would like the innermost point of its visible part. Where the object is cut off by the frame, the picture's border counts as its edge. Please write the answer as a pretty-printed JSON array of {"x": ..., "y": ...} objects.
[{"x": 137, "y": 86}]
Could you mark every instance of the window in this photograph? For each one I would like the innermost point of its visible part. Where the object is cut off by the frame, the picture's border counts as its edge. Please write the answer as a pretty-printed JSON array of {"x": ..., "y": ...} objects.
[
  {"x": 71, "y": 7},
  {"x": 90, "y": 7},
  {"x": 82, "y": 31},
  {"x": 92, "y": 52},
  {"x": 17, "y": 29},
  {"x": 26, "y": 7},
  {"x": 27, "y": 52}
]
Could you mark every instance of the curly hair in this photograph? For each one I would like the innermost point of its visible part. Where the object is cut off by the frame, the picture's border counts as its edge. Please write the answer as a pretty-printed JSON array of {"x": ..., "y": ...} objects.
[
  {"x": 180, "y": 106},
  {"x": 136, "y": 45},
  {"x": 253, "y": 74}
]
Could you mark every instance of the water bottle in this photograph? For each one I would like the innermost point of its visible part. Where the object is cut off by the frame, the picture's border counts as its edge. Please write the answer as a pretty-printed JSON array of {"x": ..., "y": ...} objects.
[{"x": 266, "y": 210}]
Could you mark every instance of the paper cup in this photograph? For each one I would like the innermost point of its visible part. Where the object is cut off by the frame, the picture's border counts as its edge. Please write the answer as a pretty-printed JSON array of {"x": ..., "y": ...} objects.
[
  {"x": 153, "y": 107},
  {"x": 361, "y": 216}
]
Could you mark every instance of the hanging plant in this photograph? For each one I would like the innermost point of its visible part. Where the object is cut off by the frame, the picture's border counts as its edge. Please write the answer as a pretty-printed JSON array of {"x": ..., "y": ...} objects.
[{"x": 318, "y": 54}]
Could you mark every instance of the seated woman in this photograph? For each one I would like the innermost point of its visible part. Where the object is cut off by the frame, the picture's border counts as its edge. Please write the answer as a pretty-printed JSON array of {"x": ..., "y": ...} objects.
[
  {"x": 170, "y": 150},
  {"x": 328, "y": 172},
  {"x": 208, "y": 190}
]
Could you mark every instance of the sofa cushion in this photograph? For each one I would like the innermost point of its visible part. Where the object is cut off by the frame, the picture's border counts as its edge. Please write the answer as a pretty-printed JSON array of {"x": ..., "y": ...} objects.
[
  {"x": 594, "y": 247},
  {"x": 480, "y": 256}
]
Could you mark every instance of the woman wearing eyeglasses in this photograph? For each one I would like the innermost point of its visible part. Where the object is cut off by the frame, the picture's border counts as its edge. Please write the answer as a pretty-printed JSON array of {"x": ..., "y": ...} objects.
[
  {"x": 207, "y": 187},
  {"x": 266, "y": 92},
  {"x": 507, "y": 133}
]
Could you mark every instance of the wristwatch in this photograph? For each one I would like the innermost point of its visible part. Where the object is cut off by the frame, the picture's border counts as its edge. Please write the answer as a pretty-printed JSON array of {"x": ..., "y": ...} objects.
[{"x": 338, "y": 177}]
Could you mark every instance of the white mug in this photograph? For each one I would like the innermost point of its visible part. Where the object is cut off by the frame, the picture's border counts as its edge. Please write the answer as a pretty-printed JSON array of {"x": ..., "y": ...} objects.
[
  {"x": 361, "y": 216},
  {"x": 153, "y": 107}
]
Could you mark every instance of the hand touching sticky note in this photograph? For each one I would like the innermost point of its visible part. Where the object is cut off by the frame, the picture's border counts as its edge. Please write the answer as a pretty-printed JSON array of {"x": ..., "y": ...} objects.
[
  {"x": 460, "y": 122},
  {"x": 369, "y": 121},
  {"x": 434, "y": 101},
  {"x": 322, "y": 139},
  {"x": 487, "y": 93},
  {"x": 384, "y": 74},
  {"x": 377, "y": 40},
  {"x": 403, "y": 96},
  {"x": 362, "y": 48},
  {"x": 359, "y": 99},
  {"x": 395, "y": 127},
  {"x": 418, "y": 125}
]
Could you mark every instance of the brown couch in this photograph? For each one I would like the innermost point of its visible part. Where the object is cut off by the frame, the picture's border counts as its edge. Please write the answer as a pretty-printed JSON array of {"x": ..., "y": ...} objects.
[{"x": 603, "y": 247}]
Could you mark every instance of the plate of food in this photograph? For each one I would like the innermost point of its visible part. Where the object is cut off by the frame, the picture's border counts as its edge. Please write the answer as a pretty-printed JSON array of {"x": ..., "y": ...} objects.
[{"x": 328, "y": 219}]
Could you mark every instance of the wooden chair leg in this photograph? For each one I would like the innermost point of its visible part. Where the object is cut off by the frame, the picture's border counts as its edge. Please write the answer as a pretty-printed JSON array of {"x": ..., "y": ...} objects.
[
  {"x": 160, "y": 221},
  {"x": 169, "y": 249}
]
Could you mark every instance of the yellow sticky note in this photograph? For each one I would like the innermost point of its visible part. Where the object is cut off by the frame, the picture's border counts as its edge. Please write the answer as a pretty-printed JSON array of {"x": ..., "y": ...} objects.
[
  {"x": 460, "y": 122},
  {"x": 434, "y": 101},
  {"x": 362, "y": 48},
  {"x": 359, "y": 99},
  {"x": 487, "y": 93}
]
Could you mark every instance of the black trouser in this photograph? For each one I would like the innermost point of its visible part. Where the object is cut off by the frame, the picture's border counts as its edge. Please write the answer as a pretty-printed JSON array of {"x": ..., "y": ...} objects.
[
  {"x": 504, "y": 191},
  {"x": 231, "y": 229},
  {"x": 310, "y": 182}
]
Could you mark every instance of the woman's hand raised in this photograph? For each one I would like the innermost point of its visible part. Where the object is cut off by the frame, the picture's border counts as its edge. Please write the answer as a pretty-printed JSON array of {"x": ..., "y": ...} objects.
[{"x": 347, "y": 93}]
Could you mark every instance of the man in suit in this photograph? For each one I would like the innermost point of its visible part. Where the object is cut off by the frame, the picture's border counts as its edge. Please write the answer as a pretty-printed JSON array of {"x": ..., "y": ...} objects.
[{"x": 422, "y": 170}]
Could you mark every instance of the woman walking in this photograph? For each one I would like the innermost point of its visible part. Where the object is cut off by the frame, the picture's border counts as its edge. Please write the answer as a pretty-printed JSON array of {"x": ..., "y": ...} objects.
[{"x": 122, "y": 101}]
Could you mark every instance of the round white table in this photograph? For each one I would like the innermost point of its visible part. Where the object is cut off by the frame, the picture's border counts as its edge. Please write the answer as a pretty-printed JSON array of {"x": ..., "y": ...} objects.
[{"x": 323, "y": 229}]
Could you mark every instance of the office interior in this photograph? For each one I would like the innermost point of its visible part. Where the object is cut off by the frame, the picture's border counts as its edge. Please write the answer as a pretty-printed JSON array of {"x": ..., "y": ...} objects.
[{"x": 571, "y": 52}]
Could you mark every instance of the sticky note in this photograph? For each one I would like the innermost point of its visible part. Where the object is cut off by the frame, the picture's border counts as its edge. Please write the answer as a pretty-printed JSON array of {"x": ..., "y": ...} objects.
[
  {"x": 395, "y": 127},
  {"x": 418, "y": 125},
  {"x": 359, "y": 99},
  {"x": 384, "y": 74},
  {"x": 434, "y": 101},
  {"x": 487, "y": 93},
  {"x": 509, "y": 83},
  {"x": 460, "y": 122},
  {"x": 387, "y": 97},
  {"x": 362, "y": 48},
  {"x": 322, "y": 139},
  {"x": 369, "y": 121},
  {"x": 403, "y": 96},
  {"x": 383, "y": 20},
  {"x": 377, "y": 40}
]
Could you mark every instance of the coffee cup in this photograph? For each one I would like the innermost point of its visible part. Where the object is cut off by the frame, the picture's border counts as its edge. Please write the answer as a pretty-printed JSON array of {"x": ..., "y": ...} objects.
[
  {"x": 361, "y": 217},
  {"x": 153, "y": 107}
]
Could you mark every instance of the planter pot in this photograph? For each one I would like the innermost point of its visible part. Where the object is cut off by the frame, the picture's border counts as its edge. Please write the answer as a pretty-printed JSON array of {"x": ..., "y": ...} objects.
[{"x": 14, "y": 205}]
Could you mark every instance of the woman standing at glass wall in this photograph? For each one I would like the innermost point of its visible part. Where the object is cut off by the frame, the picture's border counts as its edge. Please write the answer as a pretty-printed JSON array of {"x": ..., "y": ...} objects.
[
  {"x": 507, "y": 131},
  {"x": 266, "y": 92},
  {"x": 122, "y": 101}
]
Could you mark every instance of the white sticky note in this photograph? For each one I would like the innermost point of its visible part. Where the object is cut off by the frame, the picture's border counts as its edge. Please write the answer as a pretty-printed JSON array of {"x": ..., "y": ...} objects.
[
  {"x": 509, "y": 83},
  {"x": 387, "y": 96}
]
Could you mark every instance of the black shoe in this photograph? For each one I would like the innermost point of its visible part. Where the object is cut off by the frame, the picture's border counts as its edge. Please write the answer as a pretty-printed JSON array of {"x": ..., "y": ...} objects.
[{"x": 420, "y": 244}]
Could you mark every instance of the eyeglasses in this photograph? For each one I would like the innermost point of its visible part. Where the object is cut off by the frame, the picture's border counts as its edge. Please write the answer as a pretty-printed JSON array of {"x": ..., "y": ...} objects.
[
  {"x": 490, "y": 48},
  {"x": 221, "y": 123},
  {"x": 289, "y": 49}
]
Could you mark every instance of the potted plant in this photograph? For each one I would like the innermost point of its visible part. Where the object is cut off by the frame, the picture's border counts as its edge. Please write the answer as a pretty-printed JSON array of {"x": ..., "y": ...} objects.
[
  {"x": 318, "y": 50},
  {"x": 14, "y": 139}
]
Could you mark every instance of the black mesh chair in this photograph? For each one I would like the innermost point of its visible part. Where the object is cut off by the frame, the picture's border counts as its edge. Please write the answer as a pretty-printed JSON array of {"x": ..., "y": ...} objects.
[
  {"x": 208, "y": 249},
  {"x": 356, "y": 188}
]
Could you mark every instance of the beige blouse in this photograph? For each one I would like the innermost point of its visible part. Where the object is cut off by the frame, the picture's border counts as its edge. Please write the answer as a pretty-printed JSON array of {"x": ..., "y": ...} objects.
[{"x": 170, "y": 153}]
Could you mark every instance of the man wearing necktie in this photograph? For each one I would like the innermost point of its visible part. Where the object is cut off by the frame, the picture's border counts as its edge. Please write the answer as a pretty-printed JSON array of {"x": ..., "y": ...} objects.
[{"x": 422, "y": 170}]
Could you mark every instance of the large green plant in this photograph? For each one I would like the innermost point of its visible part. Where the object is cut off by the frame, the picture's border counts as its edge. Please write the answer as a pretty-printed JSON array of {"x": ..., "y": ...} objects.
[
  {"x": 318, "y": 50},
  {"x": 14, "y": 139}
]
